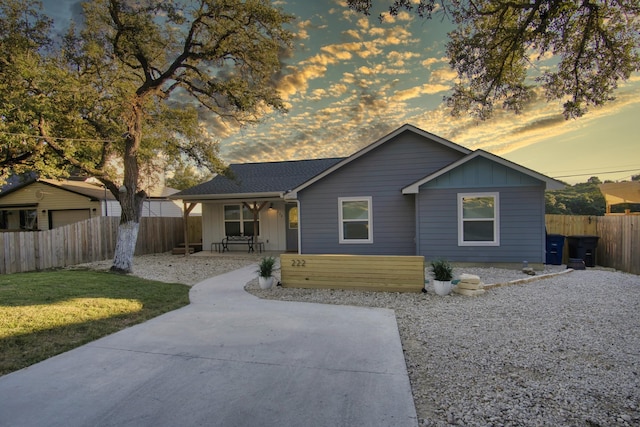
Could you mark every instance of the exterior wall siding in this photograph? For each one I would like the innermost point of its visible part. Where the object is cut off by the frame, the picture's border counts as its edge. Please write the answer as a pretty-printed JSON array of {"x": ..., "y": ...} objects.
[
  {"x": 272, "y": 225},
  {"x": 381, "y": 174},
  {"x": 52, "y": 199},
  {"x": 481, "y": 173},
  {"x": 522, "y": 234}
]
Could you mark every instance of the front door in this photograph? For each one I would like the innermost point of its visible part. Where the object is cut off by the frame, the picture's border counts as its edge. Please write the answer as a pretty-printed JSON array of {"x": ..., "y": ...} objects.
[{"x": 292, "y": 227}]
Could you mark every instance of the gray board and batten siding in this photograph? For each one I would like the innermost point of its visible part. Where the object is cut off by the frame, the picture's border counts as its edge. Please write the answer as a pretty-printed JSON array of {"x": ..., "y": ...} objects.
[{"x": 380, "y": 173}]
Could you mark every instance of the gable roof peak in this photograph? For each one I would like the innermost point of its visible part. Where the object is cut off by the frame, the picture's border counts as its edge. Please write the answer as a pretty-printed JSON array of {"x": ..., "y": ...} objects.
[
  {"x": 390, "y": 136},
  {"x": 551, "y": 184}
]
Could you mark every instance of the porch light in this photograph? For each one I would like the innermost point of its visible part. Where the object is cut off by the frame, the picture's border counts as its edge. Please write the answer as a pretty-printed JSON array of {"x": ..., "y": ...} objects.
[{"x": 271, "y": 206}]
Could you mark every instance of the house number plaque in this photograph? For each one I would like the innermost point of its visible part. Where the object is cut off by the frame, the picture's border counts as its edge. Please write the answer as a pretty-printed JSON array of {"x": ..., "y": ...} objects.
[{"x": 298, "y": 262}]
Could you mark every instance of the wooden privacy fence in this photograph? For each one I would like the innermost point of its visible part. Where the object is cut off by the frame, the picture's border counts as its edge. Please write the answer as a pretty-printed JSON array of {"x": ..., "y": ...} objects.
[
  {"x": 619, "y": 237},
  {"x": 619, "y": 245},
  {"x": 87, "y": 241},
  {"x": 354, "y": 272}
]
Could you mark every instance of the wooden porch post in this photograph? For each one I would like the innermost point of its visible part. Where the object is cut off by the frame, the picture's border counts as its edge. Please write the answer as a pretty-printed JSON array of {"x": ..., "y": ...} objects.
[
  {"x": 255, "y": 210},
  {"x": 187, "y": 208}
]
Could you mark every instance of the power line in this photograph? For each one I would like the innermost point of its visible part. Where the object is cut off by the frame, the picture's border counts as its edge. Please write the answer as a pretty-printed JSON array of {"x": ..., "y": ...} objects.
[
  {"x": 590, "y": 169},
  {"x": 24, "y": 135},
  {"x": 596, "y": 173}
]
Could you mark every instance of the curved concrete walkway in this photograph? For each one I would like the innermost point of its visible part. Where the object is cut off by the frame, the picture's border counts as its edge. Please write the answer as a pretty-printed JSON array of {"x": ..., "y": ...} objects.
[{"x": 227, "y": 359}]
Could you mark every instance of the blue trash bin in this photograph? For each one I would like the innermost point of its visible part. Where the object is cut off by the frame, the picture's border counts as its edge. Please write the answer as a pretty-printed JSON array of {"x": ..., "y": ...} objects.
[{"x": 555, "y": 245}]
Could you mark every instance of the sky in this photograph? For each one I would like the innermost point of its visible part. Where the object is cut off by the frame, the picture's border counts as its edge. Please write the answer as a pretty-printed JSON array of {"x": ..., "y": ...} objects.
[{"x": 351, "y": 80}]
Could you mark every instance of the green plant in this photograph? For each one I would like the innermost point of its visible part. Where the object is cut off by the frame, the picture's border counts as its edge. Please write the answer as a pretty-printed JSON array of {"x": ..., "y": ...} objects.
[
  {"x": 442, "y": 270},
  {"x": 266, "y": 265},
  {"x": 46, "y": 313}
]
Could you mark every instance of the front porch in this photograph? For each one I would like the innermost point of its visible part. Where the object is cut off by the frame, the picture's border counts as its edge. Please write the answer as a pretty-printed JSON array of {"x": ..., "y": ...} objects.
[{"x": 267, "y": 225}]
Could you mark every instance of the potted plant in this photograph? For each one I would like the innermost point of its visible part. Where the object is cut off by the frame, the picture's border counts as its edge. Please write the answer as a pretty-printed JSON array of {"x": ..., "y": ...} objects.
[
  {"x": 442, "y": 275},
  {"x": 265, "y": 272}
]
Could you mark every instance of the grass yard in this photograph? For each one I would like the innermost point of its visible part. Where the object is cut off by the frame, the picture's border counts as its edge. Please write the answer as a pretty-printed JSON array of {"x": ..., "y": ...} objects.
[{"x": 46, "y": 313}]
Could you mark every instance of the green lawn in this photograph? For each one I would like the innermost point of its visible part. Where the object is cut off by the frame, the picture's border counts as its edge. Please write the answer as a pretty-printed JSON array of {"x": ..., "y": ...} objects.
[{"x": 46, "y": 313}]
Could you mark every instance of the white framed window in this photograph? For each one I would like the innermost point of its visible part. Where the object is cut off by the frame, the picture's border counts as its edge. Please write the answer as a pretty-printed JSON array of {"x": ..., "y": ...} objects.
[
  {"x": 238, "y": 221},
  {"x": 478, "y": 219},
  {"x": 355, "y": 220}
]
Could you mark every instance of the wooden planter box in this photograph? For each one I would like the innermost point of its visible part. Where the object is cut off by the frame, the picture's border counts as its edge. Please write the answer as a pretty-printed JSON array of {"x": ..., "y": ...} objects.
[{"x": 353, "y": 272}]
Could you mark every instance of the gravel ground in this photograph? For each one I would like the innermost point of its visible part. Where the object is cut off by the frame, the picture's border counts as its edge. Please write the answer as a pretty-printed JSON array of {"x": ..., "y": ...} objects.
[
  {"x": 180, "y": 269},
  {"x": 561, "y": 350}
]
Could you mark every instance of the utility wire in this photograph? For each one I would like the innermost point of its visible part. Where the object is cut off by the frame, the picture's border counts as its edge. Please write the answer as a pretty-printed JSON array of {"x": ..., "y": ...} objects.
[
  {"x": 596, "y": 173},
  {"x": 24, "y": 135}
]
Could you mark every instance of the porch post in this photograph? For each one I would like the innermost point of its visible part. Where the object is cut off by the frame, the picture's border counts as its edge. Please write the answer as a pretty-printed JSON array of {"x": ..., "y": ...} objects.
[
  {"x": 255, "y": 210},
  {"x": 187, "y": 208}
]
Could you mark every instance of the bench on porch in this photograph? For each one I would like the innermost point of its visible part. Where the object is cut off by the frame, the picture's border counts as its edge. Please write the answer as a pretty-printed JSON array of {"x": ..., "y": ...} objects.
[{"x": 238, "y": 240}]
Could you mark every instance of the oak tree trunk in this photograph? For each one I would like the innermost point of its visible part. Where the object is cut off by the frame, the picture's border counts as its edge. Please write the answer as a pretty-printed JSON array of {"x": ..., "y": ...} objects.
[{"x": 131, "y": 199}]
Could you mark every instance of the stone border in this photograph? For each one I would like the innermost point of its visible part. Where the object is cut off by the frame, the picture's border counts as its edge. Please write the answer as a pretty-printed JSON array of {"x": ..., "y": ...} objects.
[{"x": 527, "y": 280}]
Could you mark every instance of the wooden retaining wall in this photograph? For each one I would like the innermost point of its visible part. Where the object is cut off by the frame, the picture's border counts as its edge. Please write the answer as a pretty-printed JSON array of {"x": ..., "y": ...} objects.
[{"x": 353, "y": 272}]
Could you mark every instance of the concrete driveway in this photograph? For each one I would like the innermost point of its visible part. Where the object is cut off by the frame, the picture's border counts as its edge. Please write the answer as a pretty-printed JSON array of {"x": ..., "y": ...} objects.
[{"x": 227, "y": 359}]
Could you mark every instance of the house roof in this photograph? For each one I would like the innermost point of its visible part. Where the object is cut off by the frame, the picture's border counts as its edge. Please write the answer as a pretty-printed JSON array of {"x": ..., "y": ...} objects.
[
  {"x": 621, "y": 192},
  {"x": 95, "y": 192},
  {"x": 551, "y": 184},
  {"x": 270, "y": 179},
  {"x": 17, "y": 181},
  {"x": 80, "y": 187},
  {"x": 286, "y": 179},
  {"x": 374, "y": 145}
]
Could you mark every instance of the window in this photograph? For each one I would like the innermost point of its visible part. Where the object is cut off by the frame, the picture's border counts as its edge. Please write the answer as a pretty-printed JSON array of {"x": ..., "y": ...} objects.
[
  {"x": 478, "y": 219},
  {"x": 29, "y": 219},
  {"x": 293, "y": 218},
  {"x": 238, "y": 221},
  {"x": 355, "y": 220}
]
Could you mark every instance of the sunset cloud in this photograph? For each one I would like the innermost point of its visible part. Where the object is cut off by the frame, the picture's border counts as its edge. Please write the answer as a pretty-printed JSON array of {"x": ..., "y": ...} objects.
[
  {"x": 432, "y": 61},
  {"x": 359, "y": 79}
]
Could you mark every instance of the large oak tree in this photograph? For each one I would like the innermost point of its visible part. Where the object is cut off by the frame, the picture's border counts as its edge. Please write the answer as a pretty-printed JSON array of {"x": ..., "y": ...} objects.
[
  {"x": 131, "y": 84},
  {"x": 498, "y": 47}
]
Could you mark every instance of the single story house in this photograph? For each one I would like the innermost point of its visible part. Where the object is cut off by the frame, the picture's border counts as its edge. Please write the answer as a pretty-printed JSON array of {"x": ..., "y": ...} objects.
[
  {"x": 44, "y": 204},
  {"x": 408, "y": 193}
]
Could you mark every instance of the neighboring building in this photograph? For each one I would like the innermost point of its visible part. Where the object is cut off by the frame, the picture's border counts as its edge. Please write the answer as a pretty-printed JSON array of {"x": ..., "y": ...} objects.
[
  {"x": 409, "y": 193},
  {"x": 43, "y": 204},
  {"x": 616, "y": 193}
]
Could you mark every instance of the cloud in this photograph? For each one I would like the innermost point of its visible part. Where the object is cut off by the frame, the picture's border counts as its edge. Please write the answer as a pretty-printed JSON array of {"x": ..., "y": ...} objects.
[
  {"x": 303, "y": 27},
  {"x": 398, "y": 59},
  {"x": 355, "y": 88},
  {"x": 297, "y": 80},
  {"x": 443, "y": 75},
  {"x": 403, "y": 95},
  {"x": 405, "y": 16},
  {"x": 380, "y": 69},
  {"x": 507, "y": 132},
  {"x": 353, "y": 33},
  {"x": 418, "y": 91},
  {"x": 432, "y": 61},
  {"x": 363, "y": 23}
]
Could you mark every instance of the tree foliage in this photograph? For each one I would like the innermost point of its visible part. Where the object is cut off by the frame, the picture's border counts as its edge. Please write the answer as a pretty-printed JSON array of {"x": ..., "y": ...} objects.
[
  {"x": 186, "y": 176},
  {"x": 498, "y": 49},
  {"x": 580, "y": 199},
  {"x": 129, "y": 88}
]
